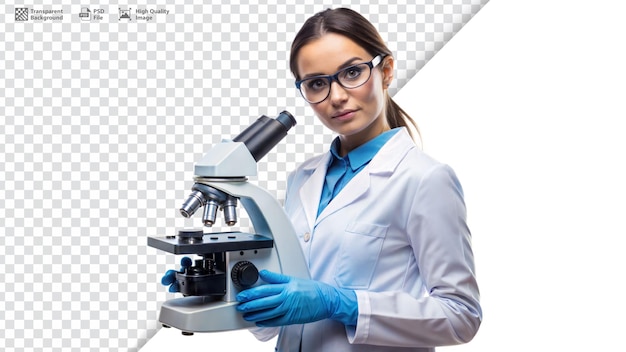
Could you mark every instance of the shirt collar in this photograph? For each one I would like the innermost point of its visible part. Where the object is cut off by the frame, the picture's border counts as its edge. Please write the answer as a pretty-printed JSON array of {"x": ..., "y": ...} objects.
[{"x": 363, "y": 154}]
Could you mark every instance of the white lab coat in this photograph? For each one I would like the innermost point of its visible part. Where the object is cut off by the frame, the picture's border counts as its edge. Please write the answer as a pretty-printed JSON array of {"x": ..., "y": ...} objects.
[{"x": 397, "y": 235}]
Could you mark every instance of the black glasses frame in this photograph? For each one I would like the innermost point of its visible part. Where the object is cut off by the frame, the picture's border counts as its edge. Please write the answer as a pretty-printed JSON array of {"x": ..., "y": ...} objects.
[{"x": 335, "y": 77}]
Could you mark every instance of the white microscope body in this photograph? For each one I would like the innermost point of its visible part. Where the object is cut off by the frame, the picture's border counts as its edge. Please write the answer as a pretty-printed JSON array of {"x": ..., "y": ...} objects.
[{"x": 230, "y": 261}]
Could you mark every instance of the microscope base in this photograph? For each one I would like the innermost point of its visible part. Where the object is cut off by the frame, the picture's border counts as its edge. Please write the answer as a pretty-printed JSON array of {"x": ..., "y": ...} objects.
[{"x": 202, "y": 314}]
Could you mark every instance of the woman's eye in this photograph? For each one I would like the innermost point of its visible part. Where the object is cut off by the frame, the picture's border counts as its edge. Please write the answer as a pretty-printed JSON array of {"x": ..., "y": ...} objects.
[
  {"x": 352, "y": 73},
  {"x": 316, "y": 84}
]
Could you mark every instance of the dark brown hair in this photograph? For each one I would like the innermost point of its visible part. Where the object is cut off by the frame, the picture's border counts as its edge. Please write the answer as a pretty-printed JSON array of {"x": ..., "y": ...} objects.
[{"x": 357, "y": 28}]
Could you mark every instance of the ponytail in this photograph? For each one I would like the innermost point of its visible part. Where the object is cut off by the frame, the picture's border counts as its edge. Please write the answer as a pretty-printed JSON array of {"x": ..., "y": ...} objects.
[{"x": 396, "y": 117}]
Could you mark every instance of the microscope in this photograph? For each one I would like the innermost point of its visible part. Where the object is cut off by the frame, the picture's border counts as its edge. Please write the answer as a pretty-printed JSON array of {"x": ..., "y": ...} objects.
[{"x": 229, "y": 262}]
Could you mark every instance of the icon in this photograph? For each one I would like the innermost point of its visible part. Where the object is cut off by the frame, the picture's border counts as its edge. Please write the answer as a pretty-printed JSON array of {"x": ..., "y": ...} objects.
[
  {"x": 21, "y": 14},
  {"x": 125, "y": 14},
  {"x": 85, "y": 14}
]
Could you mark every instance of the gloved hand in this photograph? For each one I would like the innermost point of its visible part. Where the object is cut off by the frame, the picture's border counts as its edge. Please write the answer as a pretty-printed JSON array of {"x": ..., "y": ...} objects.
[
  {"x": 170, "y": 276},
  {"x": 287, "y": 300}
]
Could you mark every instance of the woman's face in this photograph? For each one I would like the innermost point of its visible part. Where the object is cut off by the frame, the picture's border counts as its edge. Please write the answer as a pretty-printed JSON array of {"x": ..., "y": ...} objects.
[{"x": 356, "y": 114}]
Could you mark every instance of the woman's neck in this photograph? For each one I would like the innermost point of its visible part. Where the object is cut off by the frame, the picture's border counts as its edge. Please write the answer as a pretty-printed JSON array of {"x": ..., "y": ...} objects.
[{"x": 353, "y": 141}]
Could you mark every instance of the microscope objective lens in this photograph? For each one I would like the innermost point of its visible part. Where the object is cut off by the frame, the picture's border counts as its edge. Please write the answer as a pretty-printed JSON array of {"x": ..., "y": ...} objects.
[
  {"x": 210, "y": 213},
  {"x": 193, "y": 202}
]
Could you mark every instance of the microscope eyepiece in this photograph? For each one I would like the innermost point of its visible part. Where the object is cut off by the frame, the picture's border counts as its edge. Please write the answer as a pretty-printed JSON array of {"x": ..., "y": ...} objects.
[
  {"x": 286, "y": 119},
  {"x": 265, "y": 133}
]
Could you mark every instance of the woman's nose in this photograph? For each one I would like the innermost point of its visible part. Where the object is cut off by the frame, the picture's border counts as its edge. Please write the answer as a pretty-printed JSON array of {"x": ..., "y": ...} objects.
[{"x": 337, "y": 93}]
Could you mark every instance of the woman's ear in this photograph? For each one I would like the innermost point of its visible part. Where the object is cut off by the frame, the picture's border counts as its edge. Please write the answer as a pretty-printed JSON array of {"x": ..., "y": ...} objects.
[{"x": 387, "y": 69}]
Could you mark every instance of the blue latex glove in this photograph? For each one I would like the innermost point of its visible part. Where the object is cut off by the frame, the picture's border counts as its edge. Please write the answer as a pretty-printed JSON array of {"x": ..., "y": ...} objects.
[
  {"x": 287, "y": 300},
  {"x": 170, "y": 276}
]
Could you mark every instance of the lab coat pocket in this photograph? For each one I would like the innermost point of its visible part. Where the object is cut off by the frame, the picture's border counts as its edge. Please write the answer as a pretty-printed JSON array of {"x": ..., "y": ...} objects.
[{"x": 358, "y": 254}]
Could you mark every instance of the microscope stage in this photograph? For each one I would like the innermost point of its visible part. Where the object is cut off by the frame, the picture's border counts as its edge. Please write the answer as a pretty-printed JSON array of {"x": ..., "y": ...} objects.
[{"x": 211, "y": 243}]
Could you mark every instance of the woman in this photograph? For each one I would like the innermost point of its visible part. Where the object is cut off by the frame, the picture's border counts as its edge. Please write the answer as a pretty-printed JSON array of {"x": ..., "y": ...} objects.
[{"x": 381, "y": 224}]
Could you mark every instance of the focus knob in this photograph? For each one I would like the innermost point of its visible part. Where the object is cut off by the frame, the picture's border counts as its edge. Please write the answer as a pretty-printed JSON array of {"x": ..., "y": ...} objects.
[{"x": 244, "y": 274}]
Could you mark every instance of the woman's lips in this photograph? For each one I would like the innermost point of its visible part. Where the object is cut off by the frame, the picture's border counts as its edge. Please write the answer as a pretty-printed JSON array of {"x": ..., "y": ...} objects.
[{"x": 344, "y": 115}]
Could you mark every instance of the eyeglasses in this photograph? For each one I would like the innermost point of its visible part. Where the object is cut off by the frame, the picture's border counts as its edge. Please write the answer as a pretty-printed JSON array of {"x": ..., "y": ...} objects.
[{"x": 317, "y": 88}]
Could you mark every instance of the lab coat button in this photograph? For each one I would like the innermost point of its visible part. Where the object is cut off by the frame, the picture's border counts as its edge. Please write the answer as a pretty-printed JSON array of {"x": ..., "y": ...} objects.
[{"x": 307, "y": 237}]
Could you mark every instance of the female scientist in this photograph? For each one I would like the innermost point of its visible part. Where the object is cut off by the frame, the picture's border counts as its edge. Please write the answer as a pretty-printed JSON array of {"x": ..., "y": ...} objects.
[{"x": 381, "y": 224}]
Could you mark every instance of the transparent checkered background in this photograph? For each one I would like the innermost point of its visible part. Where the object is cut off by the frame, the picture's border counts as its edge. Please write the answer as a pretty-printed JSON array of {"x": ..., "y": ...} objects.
[{"x": 101, "y": 124}]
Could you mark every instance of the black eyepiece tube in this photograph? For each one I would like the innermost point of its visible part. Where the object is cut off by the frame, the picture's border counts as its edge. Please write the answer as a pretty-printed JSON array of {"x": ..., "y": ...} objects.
[{"x": 265, "y": 133}]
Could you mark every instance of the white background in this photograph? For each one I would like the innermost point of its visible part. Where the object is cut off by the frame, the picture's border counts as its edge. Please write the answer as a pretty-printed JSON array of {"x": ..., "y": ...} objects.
[{"x": 527, "y": 104}]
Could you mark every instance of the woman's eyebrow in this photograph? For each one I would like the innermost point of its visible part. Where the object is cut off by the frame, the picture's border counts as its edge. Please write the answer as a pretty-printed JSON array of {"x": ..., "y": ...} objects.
[{"x": 348, "y": 63}]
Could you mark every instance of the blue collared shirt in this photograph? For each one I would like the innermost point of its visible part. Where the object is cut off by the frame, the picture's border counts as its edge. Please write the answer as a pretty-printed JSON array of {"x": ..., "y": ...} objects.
[{"x": 342, "y": 169}]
